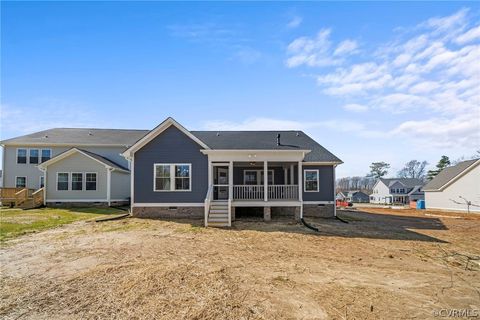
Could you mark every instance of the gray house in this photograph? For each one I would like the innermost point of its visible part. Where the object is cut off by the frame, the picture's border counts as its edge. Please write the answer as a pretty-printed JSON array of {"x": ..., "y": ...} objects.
[
  {"x": 70, "y": 166},
  {"x": 397, "y": 191},
  {"x": 172, "y": 172},
  {"x": 355, "y": 196}
]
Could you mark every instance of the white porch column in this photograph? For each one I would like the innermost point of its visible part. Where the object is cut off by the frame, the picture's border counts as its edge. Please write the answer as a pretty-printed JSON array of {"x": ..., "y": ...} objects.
[
  {"x": 334, "y": 195},
  {"x": 300, "y": 181},
  {"x": 230, "y": 180},
  {"x": 209, "y": 173},
  {"x": 265, "y": 180},
  {"x": 109, "y": 189},
  {"x": 292, "y": 175},
  {"x": 285, "y": 176}
]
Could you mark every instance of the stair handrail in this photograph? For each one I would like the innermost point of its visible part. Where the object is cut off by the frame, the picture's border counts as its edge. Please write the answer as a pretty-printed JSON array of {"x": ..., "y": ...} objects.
[
  {"x": 229, "y": 211},
  {"x": 21, "y": 196},
  {"x": 208, "y": 199},
  {"x": 38, "y": 196}
]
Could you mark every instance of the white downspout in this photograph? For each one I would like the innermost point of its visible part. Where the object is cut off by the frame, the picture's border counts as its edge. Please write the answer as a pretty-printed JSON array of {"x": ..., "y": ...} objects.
[
  {"x": 109, "y": 189},
  {"x": 300, "y": 189},
  {"x": 334, "y": 200}
]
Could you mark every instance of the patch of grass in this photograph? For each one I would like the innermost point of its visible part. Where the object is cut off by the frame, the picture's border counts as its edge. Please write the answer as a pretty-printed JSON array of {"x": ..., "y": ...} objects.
[{"x": 16, "y": 222}]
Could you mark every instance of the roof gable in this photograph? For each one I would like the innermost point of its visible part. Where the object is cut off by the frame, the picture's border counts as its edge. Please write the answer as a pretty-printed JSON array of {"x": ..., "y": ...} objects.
[
  {"x": 157, "y": 131},
  {"x": 104, "y": 161},
  {"x": 450, "y": 175}
]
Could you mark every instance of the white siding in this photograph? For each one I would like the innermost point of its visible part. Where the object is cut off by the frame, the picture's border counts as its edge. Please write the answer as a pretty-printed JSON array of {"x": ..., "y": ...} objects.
[
  {"x": 77, "y": 163},
  {"x": 120, "y": 185},
  {"x": 380, "y": 192},
  {"x": 467, "y": 186}
]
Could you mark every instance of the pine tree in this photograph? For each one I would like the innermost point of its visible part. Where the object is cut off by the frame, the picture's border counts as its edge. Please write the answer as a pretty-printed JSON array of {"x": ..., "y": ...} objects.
[{"x": 442, "y": 164}]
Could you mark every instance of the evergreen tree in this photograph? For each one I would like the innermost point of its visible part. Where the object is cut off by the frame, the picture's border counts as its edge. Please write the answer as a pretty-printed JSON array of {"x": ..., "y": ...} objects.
[{"x": 442, "y": 164}]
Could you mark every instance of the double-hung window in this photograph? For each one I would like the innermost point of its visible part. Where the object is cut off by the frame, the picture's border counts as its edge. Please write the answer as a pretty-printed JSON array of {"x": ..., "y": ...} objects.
[
  {"x": 20, "y": 182},
  {"x": 90, "y": 181},
  {"x": 46, "y": 154},
  {"x": 34, "y": 156},
  {"x": 21, "y": 155},
  {"x": 62, "y": 181},
  {"x": 77, "y": 181},
  {"x": 310, "y": 178},
  {"x": 172, "y": 177}
]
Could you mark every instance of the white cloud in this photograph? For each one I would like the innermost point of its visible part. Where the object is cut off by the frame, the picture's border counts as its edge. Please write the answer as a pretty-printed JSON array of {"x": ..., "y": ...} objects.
[
  {"x": 355, "y": 107},
  {"x": 312, "y": 52},
  {"x": 294, "y": 22},
  {"x": 54, "y": 114},
  {"x": 430, "y": 72},
  {"x": 346, "y": 47},
  {"x": 469, "y": 36},
  {"x": 334, "y": 125}
]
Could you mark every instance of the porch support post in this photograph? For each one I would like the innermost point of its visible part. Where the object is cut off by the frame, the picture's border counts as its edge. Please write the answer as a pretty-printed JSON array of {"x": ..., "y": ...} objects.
[
  {"x": 209, "y": 173},
  {"x": 265, "y": 181},
  {"x": 285, "y": 176},
  {"x": 334, "y": 195},
  {"x": 300, "y": 181},
  {"x": 292, "y": 175},
  {"x": 109, "y": 188},
  {"x": 230, "y": 180}
]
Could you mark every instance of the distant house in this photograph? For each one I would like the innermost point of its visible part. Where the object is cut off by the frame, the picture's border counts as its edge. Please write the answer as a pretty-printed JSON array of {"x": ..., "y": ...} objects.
[
  {"x": 397, "y": 191},
  {"x": 454, "y": 187},
  {"x": 355, "y": 196}
]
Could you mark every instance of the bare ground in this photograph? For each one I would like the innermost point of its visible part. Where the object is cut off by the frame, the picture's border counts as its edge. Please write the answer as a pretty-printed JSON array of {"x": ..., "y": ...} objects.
[{"x": 384, "y": 264}]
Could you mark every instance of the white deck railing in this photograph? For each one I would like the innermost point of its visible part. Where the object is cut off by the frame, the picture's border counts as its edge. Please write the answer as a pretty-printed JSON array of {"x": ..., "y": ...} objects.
[
  {"x": 283, "y": 192},
  {"x": 256, "y": 192}
]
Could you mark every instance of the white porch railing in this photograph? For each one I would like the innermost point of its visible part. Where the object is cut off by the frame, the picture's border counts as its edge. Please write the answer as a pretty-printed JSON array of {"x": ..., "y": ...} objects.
[
  {"x": 248, "y": 192},
  {"x": 208, "y": 199},
  {"x": 283, "y": 192},
  {"x": 256, "y": 192}
]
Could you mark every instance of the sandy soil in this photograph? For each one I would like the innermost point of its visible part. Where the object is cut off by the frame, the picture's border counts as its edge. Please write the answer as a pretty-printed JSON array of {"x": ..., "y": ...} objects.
[{"x": 384, "y": 264}]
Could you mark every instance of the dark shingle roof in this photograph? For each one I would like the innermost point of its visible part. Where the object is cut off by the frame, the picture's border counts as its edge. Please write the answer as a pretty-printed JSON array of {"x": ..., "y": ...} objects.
[
  {"x": 104, "y": 160},
  {"x": 447, "y": 174},
  {"x": 224, "y": 140},
  {"x": 407, "y": 182},
  {"x": 80, "y": 136},
  {"x": 266, "y": 140}
]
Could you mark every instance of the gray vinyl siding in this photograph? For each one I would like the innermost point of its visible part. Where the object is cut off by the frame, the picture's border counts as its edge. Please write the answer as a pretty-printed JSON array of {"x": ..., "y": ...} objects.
[
  {"x": 326, "y": 184},
  {"x": 77, "y": 163},
  {"x": 171, "y": 146},
  {"x": 120, "y": 185},
  {"x": 12, "y": 169}
]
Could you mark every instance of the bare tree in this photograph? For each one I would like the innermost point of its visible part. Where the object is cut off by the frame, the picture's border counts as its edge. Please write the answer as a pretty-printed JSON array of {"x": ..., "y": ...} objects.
[{"x": 413, "y": 169}]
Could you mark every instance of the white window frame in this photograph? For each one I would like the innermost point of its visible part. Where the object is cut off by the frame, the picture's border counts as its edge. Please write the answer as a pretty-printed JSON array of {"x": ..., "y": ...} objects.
[
  {"x": 68, "y": 182},
  {"x": 26, "y": 181},
  {"x": 259, "y": 176},
  {"x": 172, "y": 176},
  {"x": 40, "y": 160},
  {"x": 71, "y": 181},
  {"x": 305, "y": 180},
  {"x": 96, "y": 180},
  {"x": 26, "y": 156}
]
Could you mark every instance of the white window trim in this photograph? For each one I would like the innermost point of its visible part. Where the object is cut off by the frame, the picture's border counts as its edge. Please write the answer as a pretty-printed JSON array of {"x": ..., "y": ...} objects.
[
  {"x": 172, "y": 176},
  {"x": 96, "y": 180},
  {"x": 40, "y": 181},
  {"x": 259, "y": 172},
  {"x": 68, "y": 182},
  {"x": 71, "y": 180},
  {"x": 26, "y": 181},
  {"x": 305, "y": 180},
  {"x": 26, "y": 156},
  {"x": 40, "y": 157}
]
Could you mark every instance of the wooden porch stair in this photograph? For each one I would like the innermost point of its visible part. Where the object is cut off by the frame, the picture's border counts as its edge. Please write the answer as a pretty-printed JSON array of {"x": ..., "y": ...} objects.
[
  {"x": 21, "y": 197},
  {"x": 218, "y": 213}
]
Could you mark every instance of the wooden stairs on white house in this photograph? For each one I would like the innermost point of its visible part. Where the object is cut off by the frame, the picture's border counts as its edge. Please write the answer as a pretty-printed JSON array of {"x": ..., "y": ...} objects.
[{"x": 218, "y": 213}]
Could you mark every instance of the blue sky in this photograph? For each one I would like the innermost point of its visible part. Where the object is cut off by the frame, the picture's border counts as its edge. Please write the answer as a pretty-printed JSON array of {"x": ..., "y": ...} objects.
[{"x": 369, "y": 81}]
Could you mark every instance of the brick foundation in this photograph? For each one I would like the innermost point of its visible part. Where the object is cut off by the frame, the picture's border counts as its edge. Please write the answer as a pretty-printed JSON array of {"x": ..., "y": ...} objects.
[
  {"x": 315, "y": 210},
  {"x": 169, "y": 212}
]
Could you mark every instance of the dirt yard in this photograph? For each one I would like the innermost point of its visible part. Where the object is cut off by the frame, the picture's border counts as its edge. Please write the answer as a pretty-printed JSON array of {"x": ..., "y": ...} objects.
[{"x": 384, "y": 264}]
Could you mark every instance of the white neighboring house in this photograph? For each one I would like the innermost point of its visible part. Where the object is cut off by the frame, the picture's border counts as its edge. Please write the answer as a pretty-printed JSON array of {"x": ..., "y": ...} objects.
[
  {"x": 397, "y": 191},
  {"x": 454, "y": 187}
]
